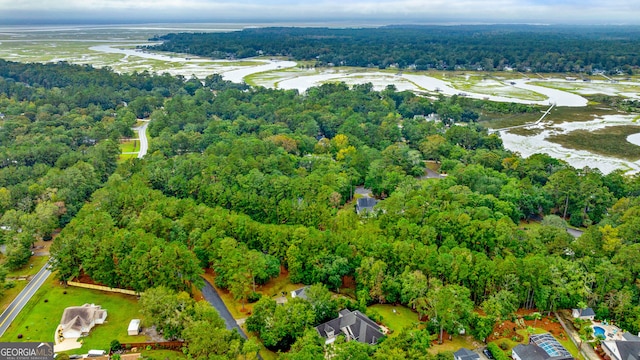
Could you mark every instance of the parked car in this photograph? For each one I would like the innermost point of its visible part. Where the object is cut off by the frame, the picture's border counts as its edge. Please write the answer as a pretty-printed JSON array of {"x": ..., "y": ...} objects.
[{"x": 487, "y": 353}]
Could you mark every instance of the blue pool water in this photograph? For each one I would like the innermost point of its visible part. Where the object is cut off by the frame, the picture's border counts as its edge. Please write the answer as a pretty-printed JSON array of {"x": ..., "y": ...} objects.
[{"x": 597, "y": 330}]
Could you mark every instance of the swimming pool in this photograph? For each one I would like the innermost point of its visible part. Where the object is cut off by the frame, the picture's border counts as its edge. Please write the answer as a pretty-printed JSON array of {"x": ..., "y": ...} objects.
[{"x": 597, "y": 330}]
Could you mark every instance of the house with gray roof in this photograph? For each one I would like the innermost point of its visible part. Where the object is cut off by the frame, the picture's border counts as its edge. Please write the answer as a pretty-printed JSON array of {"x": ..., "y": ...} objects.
[
  {"x": 300, "y": 293},
  {"x": 77, "y": 321},
  {"x": 465, "y": 354},
  {"x": 627, "y": 349},
  {"x": 354, "y": 325},
  {"x": 585, "y": 314},
  {"x": 365, "y": 205},
  {"x": 541, "y": 347},
  {"x": 627, "y": 336}
]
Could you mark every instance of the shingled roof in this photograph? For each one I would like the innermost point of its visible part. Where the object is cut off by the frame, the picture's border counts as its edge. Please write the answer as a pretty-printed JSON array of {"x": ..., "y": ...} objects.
[
  {"x": 354, "y": 325},
  {"x": 79, "y": 320}
]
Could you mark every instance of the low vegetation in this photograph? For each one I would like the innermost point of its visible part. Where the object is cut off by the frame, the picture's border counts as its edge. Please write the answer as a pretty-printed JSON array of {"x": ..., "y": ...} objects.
[{"x": 609, "y": 141}]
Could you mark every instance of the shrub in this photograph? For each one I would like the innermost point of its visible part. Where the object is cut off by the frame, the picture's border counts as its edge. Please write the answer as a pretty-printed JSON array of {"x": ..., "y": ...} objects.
[
  {"x": 115, "y": 345},
  {"x": 374, "y": 315},
  {"x": 253, "y": 297},
  {"x": 19, "y": 336},
  {"x": 497, "y": 353}
]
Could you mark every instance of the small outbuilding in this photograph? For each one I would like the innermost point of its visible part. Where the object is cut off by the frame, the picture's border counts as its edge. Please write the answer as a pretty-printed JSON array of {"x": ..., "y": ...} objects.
[
  {"x": 584, "y": 314},
  {"x": 134, "y": 327}
]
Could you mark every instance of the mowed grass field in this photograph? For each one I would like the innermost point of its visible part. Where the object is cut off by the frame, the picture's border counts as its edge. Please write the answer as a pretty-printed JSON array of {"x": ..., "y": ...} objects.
[
  {"x": 402, "y": 318},
  {"x": 42, "y": 314},
  {"x": 130, "y": 145}
]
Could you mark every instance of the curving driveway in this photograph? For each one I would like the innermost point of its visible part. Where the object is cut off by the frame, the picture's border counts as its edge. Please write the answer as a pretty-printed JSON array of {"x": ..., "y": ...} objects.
[
  {"x": 142, "y": 135},
  {"x": 211, "y": 295}
]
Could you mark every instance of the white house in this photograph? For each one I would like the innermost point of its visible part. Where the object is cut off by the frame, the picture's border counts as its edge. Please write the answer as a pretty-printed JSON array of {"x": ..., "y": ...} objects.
[
  {"x": 585, "y": 314},
  {"x": 77, "y": 321}
]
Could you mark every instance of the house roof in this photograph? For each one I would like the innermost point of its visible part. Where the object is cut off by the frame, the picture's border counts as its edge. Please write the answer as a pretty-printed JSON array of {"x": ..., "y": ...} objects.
[
  {"x": 550, "y": 345},
  {"x": 466, "y": 354},
  {"x": 301, "y": 293},
  {"x": 627, "y": 336},
  {"x": 354, "y": 324},
  {"x": 366, "y": 203},
  {"x": 624, "y": 350},
  {"x": 586, "y": 312},
  {"x": 134, "y": 325},
  {"x": 530, "y": 352},
  {"x": 81, "y": 318}
]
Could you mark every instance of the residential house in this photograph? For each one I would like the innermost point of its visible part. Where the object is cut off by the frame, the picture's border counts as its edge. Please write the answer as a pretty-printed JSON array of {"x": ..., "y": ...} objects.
[
  {"x": 77, "y": 321},
  {"x": 585, "y": 314},
  {"x": 541, "y": 347},
  {"x": 627, "y": 336},
  {"x": 354, "y": 325},
  {"x": 365, "y": 205},
  {"x": 465, "y": 354},
  {"x": 300, "y": 293},
  {"x": 622, "y": 350},
  {"x": 627, "y": 349}
]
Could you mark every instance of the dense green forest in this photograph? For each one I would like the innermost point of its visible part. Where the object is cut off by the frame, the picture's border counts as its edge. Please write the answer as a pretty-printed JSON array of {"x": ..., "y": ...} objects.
[
  {"x": 487, "y": 47},
  {"x": 61, "y": 125},
  {"x": 245, "y": 181},
  {"x": 269, "y": 175}
]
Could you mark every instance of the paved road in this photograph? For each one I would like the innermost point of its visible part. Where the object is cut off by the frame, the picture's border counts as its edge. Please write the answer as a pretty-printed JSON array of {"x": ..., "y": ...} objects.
[
  {"x": 211, "y": 295},
  {"x": 574, "y": 232},
  {"x": 21, "y": 300},
  {"x": 142, "y": 135},
  {"x": 430, "y": 174}
]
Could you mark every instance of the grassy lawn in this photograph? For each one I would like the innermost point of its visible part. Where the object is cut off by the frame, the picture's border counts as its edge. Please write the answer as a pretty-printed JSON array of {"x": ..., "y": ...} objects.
[
  {"x": 163, "y": 354},
  {"x": 12, "y": 293},
  {"x": 610, "y": 141},
  {"x": 454, "y": 344},
  {"x": 39, "y": 319},
  {"x": 125, "y": 157},
  {"x": 130, "y": 145},
  {"x": 402, "y": 318}
]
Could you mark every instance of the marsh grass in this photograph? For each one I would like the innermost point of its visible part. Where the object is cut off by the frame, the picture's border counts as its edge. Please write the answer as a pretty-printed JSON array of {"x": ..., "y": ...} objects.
[
  {"x": 500, "y": 121},
  {"x": 523, "y": 131},
  {"x": 610, "y": 141}
]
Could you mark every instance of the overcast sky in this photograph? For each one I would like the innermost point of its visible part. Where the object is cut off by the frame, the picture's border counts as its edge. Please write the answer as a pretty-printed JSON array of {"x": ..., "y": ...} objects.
[{"x": 372, "y": 11}]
